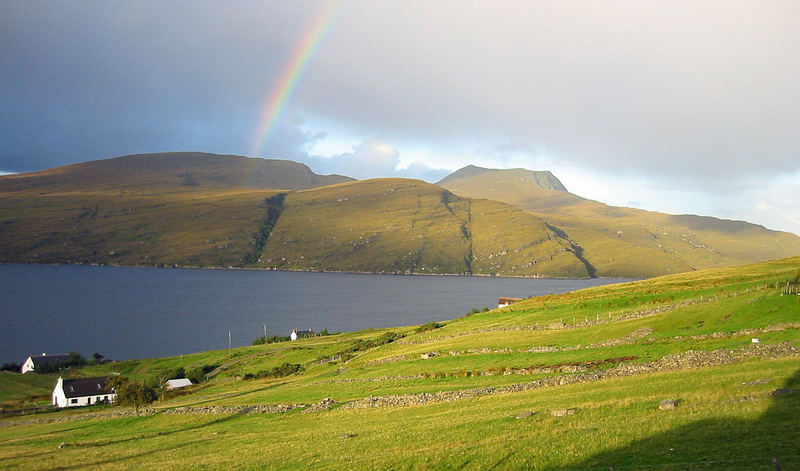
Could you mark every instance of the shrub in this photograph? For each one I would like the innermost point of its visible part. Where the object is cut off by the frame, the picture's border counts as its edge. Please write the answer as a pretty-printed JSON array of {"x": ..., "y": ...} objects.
[
  {"x": 11, "y": 367},
  {"x": 285, "y": 369},
  {"x": 429, "y": 326},
  {"x": 132, "y": 393},
  {"x": 198, "y": 374},
  {"x": 179, "y": 372},
  {"x": 271, "y": 339}
]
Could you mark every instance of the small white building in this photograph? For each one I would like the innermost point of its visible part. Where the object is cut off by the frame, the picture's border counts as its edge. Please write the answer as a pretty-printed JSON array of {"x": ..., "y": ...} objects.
[
  {"x": 82, "y": 392},
  {"x": 178, "y": 383},
  {"x": 36, "y": 360},
  {"x": 301, "y": 333},
  {"x": 506, "y": 301}
]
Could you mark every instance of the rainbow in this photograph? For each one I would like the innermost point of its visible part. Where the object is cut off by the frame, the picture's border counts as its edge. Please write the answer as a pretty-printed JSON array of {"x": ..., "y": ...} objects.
[{"x": 295, "y": 68}]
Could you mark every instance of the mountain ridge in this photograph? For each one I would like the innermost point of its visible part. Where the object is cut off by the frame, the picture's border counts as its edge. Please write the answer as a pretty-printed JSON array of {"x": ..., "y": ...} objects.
[
  {"x": 621, "y": 241},
  {"x": 178, "y": 170},
  {"x": 207, "y": 210},
  {"x": 543, "y": 178}
]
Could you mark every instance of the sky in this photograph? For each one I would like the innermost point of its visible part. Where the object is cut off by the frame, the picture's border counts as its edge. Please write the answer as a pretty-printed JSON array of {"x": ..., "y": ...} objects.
[{"x": 680, "y": 106}]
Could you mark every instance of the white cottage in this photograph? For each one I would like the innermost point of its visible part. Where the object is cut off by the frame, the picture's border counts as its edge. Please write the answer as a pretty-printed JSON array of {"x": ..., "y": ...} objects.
[
  {"x": 296, "y": 334},
  {"x": 44, "y": 359},
  {"x": 506, "y": 301},
  {"x": 82, "y": 392}
]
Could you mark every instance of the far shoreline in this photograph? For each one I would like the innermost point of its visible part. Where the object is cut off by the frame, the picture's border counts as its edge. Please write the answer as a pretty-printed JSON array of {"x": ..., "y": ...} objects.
[{"x": 344, "y": 272}]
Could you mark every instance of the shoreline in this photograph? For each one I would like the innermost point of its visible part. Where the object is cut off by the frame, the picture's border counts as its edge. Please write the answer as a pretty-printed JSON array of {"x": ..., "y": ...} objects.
[{"x": 345, "y": 272}]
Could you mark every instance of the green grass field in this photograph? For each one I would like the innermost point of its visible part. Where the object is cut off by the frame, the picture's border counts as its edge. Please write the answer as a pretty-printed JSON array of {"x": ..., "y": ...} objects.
[{"x": 569, "y": 381}]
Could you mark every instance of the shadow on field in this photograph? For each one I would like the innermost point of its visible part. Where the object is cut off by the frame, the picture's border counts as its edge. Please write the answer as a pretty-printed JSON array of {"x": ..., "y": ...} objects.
[
  {"x": 213, "y": 399},
  {"x": 119, "y": 460},
  {"x": 718, "y": 444}
]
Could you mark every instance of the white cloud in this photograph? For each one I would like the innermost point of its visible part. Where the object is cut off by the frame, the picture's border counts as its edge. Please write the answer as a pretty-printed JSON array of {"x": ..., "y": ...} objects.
[{"x": 369, "y": 159}]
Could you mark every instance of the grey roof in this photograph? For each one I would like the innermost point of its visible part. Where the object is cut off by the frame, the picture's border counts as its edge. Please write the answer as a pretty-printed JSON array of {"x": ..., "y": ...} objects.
[
  {"x": 86, "y": 387},
  {"x": 49, "y": 359},
  {"x": 179, "y": 383}
]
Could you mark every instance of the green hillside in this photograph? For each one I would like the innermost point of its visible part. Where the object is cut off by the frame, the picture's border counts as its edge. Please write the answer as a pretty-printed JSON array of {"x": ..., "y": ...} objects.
[
  {"x": 409, "y": 226},
  {"x": 205, "y": 210},
  {"x": 658, "y": 374},
  {"x": 623, "y": 241},
  {"x": 186, "y": 209},
  {"x": 171, "y": 172}
]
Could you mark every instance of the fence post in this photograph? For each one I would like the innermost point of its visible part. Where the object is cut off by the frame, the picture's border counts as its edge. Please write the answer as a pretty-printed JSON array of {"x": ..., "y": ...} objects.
[{"x": 777, "y": 464}]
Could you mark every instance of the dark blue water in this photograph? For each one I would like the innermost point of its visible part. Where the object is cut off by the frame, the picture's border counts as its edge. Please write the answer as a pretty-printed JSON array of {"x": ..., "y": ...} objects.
[{"x": 126, "y": 313}]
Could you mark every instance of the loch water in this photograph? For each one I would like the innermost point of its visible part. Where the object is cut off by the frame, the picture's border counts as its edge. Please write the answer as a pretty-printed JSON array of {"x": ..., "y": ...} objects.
[{"x": 126, "y": 313}]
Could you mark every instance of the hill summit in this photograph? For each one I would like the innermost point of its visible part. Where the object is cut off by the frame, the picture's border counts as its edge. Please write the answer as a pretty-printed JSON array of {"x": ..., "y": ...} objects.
[
  {"x": 618, "y": 241},
  {"x": 195, "y": 209},
  {"x": 544, "y": 179}
]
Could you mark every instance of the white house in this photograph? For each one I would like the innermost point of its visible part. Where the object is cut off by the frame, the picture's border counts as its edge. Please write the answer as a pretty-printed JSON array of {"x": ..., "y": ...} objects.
[
  {"x": 503, "y": 302},
  {"x": 82, "y": 392},
  {"x": 36, "y": 360},
  {"x": 178, "y": 383},
  {"x": 301, "y": 333}
]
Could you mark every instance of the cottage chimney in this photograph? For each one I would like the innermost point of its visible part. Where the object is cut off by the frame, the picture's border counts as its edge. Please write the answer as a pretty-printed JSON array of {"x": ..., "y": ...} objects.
[{"x": 44, "y": 354}]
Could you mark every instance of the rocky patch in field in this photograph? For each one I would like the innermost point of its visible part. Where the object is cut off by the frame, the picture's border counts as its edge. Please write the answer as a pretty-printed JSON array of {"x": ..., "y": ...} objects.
[
  {"x": 323, "y": 405},
  {"x": 678, "y": 361}
]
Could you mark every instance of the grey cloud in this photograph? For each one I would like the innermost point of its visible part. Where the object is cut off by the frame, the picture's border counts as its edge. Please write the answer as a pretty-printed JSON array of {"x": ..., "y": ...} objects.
[
  {"x": 371, "y": 158},
  {"x": 664, "y": 89}
]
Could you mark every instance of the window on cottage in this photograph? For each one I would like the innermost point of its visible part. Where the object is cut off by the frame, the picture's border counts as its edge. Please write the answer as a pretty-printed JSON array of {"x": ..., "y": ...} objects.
[{"x": 73, "y": 401}]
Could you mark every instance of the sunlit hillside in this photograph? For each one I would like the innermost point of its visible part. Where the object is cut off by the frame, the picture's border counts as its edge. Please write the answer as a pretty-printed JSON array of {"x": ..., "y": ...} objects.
[
  {"x": 409, "y": 226},
  {"x": 694, "y": 371},
  {"x": 186, "y": 209},
  {"x": 623, "y": 241}
]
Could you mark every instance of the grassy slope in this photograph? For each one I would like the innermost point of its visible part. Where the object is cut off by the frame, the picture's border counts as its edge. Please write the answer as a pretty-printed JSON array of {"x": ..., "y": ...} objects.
[
  {"x": 170, "y": 172},
  {"x": 726, "y": 418},
  {"x": 398, "y": 225},
  {"x": 193, "y": 209},
  {"x": 186, "y": 209},
  {"x": 202, "y": 228},
  {"x": 629, "y": 242}
]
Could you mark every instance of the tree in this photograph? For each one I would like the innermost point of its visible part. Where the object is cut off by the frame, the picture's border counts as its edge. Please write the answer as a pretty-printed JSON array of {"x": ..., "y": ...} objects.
[{"x": 131, "y": 393}]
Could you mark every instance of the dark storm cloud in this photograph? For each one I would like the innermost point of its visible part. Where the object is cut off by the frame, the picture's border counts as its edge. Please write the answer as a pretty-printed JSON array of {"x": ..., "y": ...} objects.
[
  {"x": 662, "y": 89},
  {"x": 87, "y": 80}
]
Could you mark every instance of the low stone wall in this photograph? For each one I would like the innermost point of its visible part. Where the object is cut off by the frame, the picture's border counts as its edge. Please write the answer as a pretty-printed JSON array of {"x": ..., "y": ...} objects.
[{"x": 678, "y": 361}]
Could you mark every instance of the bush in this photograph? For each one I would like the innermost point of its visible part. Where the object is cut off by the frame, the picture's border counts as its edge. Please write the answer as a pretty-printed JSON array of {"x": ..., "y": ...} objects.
[
  {"x": 271, "y": 339},
  {"x": 429, "y": 326},
  {"x": 132, "y": 393},
  {"x": 285, "y": 369},
  {"x": 179, "y": 372},
  {"x": 11, "y": 367},
  {"x": 198, "y": 374}
]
